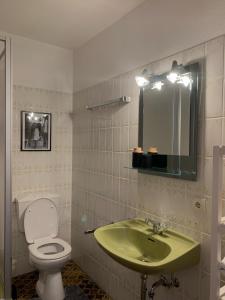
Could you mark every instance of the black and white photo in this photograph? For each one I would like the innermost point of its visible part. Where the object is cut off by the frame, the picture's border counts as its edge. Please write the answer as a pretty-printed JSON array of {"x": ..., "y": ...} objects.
[{"x": 35, "y": 131}]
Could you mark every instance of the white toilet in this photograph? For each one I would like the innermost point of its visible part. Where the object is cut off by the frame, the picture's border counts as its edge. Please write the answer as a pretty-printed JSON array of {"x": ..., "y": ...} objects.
[{"x": 38, "y": 218}]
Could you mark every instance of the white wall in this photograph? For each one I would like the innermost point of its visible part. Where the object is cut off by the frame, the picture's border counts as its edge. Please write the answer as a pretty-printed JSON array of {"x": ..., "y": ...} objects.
[
  {"x": 42, "y": 81},
  {"x": 106, "y": 190},
  {"x": 41, "y": 65},
  {"x": 154, "y": 30}
]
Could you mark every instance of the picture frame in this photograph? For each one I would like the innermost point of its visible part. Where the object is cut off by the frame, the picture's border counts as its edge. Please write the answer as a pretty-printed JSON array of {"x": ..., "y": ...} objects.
[{"x": 36, "y": 130}]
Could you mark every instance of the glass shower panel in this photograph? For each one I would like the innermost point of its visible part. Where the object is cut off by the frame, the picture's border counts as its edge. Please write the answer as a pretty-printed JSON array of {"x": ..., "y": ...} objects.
[{"x": 2, "y": 160}]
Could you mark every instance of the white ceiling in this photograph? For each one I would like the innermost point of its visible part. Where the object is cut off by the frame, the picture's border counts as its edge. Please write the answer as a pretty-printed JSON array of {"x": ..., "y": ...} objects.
[{"x": 65, "y": 23}]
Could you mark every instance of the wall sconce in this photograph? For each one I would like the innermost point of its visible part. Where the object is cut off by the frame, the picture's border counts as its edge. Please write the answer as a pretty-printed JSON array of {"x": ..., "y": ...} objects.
[
  {"x": 178, "y": 74},
  {"x": 157, "y": 85},
  {"x": 141, "y": 81},
  {"x": 144, "y": 79}
]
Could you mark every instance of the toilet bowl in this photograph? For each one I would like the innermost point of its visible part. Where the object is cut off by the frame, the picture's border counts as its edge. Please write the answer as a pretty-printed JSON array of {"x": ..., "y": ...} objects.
[{"x": 47, "y": 252}]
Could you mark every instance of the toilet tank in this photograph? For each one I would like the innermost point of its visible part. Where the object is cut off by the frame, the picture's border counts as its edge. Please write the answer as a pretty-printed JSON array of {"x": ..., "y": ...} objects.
[{"x": 24, "y": 200}]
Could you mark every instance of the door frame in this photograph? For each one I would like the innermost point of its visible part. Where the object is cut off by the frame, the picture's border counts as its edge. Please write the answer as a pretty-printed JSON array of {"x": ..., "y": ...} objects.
[{"x": 8, "y": 180}]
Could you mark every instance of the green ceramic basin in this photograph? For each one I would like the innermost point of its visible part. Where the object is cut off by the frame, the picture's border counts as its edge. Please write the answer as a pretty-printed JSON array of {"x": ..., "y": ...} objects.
[{"x": 133, "y": 244}]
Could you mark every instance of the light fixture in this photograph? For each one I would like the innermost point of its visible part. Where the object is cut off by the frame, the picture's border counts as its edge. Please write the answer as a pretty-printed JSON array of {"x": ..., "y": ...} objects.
[
  {"x": 185, "y": 79},
  {"x": 157, "y": 85},
  {"x": 30, "y": 116},
  {"x": 172, "y": 77},
  {"x": 178, "y": 74},
  {"x": 141, "y": 81},
  {"x": 176, "y": 71},
  {"x": 174, "y": 74}
]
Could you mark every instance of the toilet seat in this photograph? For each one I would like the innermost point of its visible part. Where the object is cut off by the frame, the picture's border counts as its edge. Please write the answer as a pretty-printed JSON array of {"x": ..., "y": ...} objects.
[
  {"x": 41, "y": 220},
  {"x": 40, "y": 249}
]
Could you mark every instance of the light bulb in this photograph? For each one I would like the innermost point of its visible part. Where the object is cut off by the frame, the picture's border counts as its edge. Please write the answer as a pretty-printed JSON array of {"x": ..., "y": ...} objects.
[
  {"x": 157, "y": 85},
  {"x": 172, "y": 77},
  {"x": 141, "y": 81},
  {"x": 185, "y": 80}
]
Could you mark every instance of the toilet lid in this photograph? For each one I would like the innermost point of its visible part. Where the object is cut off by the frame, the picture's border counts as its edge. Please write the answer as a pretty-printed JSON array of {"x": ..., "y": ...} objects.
[{"x": 40, "y": 220}]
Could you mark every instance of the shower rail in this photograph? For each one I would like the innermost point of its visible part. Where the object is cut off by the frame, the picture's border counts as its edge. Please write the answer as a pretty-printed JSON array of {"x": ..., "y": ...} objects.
[
  {"x": 217, "y": 225},
  {"x": 120, "y": 100}
]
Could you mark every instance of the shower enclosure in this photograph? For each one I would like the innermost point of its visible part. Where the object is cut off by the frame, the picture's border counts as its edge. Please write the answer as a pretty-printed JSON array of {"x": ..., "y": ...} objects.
[{"x": 5, "y": 169}]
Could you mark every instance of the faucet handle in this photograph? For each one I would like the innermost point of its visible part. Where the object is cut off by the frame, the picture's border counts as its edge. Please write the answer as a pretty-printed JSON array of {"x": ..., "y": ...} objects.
[
  {"x": 163, "y": 227},
  {"x": 158, "y": 227},
  {"x": 153, "y": 222}
]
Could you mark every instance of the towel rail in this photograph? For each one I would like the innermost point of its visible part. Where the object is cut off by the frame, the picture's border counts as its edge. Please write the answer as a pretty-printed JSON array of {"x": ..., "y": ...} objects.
[
  {"x": 217, "y": 226},
  {"x": 120, "y": 100}
]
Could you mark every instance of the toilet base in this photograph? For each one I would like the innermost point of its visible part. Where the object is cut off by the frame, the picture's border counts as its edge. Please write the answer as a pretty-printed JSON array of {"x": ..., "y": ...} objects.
[{"x": 50, "y": 286}]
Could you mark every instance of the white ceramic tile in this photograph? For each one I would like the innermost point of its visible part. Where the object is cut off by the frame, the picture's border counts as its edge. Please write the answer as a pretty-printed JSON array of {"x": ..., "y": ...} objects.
[
  {"x": 43, "y": 171},
  {"x": 214, "y": 98},
  {"x": 215, "y": 58},
  {"x": 213, "y": 134},
  {"x": 117, "y": 193},
  {"x": 124, "y": 138},
  {"x": 116, "y": 139}
]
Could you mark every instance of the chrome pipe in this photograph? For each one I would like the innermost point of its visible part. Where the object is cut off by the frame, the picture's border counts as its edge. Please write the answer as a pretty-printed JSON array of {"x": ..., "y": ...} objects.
[{"x": 143, "y": 286}]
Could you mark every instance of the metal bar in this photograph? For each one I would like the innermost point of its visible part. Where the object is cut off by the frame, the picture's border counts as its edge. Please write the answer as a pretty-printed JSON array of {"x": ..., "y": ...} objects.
[
  {"x": 121, "y": 100},
  {"x": 144, "y": 278},
  {"x": 93, "y": 229},
  {"x": 216, "y": 221},
  {"x": 8, "y": 185}
]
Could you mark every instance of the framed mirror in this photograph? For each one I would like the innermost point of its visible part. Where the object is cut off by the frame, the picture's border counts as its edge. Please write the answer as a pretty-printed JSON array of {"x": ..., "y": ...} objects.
[{"x": 168, "y": 110}]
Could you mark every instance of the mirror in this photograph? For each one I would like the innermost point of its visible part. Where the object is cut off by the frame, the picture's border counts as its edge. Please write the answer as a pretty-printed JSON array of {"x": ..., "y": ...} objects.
[
  {"x": 166, "y": 119},
  {"x": 168, "y": 124}
]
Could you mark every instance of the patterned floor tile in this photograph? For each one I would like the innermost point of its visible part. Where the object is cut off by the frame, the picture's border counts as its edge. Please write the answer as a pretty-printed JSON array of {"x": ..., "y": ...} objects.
[{"x": 72, "y": 275}]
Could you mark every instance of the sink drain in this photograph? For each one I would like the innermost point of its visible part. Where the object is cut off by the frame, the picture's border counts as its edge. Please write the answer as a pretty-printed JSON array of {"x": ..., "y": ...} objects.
[{"x": 144, "y": 259}]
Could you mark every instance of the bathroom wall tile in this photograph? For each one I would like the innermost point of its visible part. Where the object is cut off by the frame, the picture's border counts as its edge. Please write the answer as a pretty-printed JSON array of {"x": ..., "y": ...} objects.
[
  {"x": 124, "y": 138},
  {"x": 47, "y": 172},
  {"x": 133, "y": 110},
  {"x": 213, "y": 134},
  {"x": 214, "y": 98},
  {"x": 190, "y": 281},
  {"x": 204, "y": 286},
  {"x": 116, "y": 139},
  {"x": 215, "y": 58},
  {"x": 208, "y": 176},
  {"x": 116, "y": 164},
  {"x": 194, "y": 54},
  {"x": 133, "y": 136},
  {"x": 124, "y": 164},
  {"x": 116, "y": 192},
  {"x": 109, "y": 139}
]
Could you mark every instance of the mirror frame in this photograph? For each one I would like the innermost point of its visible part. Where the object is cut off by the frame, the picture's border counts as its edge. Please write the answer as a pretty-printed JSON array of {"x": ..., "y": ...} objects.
[{"x": 186, "y": 165}]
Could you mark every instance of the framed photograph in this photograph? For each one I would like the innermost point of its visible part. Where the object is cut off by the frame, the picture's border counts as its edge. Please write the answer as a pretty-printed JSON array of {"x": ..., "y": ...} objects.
[{"x": 35, "y": 131}]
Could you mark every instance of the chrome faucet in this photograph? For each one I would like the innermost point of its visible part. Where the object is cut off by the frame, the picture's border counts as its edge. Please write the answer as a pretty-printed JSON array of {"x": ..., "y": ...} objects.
[{"x": 157, "y": 227}]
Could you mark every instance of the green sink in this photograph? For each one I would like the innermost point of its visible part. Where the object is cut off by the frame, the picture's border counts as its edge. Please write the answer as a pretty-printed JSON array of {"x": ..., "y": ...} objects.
[{"x": 133, "y": 244}]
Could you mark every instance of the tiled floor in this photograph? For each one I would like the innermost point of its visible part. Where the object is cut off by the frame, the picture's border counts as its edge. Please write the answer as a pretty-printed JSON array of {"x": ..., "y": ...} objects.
[{"x": 72, "y": 275}]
